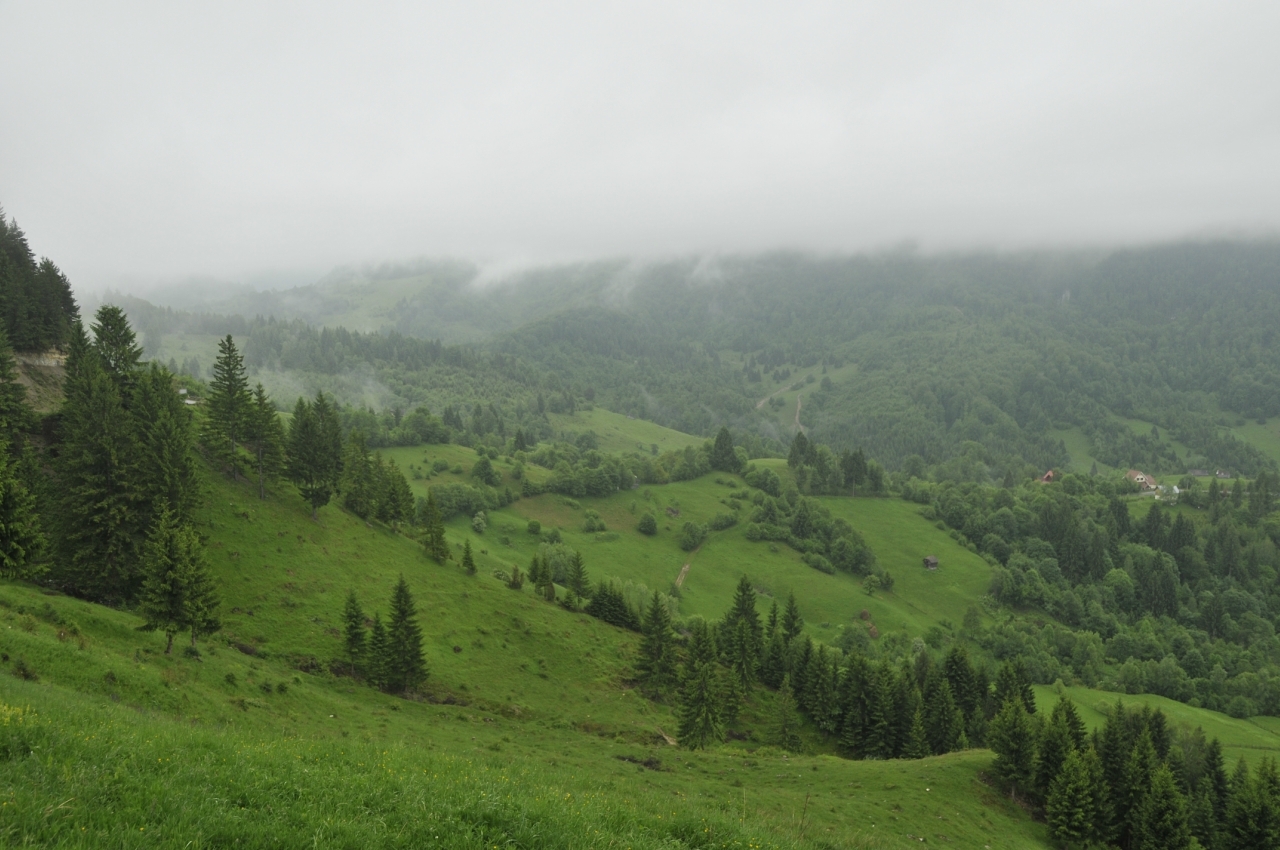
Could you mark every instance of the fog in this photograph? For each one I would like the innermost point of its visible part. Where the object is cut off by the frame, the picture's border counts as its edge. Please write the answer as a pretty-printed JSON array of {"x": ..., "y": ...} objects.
[{"x": 266, "y": 143}]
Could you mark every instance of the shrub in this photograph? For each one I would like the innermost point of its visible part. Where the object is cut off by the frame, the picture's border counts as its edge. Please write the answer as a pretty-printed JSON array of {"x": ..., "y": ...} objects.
[
  {"x": 593, "y": 522},
  {"x": 818, "y": 562},
  {"x": 479, "y": 522},
  {"x": 692, "y": 535},
  {"x": 720, "y": 522},
  {"x": 647, "y": 525},
  {"x": 534, "y": 527}
]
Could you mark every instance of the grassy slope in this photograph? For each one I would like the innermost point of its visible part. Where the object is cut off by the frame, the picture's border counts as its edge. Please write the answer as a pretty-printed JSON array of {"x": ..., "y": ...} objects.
[
  {"x": 894, "y": 529},
  {"x": 618, "y": 433},
  {"x": 536, "y": 702}
]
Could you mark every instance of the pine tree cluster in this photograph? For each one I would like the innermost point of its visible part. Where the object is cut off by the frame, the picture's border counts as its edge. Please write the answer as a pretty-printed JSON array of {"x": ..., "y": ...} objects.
[
  {"x": 390, "y": 656},
  {"x": 36, "y": 305}
]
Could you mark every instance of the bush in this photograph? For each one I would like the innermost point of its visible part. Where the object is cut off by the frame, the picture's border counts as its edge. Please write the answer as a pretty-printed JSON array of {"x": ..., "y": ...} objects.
[
  {"x": 593, "y": 522},
  {"x": 534, "y": 527},
  {"x": 479, "y": 522},
  {"x": 647, "y": 525},
  {"x": 818, "y": 562},
  {"x": 720, "y": 522},
  {"x": 692, "y": 535}
]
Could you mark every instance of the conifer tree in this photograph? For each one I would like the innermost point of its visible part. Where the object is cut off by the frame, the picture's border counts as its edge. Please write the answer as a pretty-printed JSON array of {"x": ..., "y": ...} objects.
[
  {"x": 117, "y": 348},
  {"x": 786, "y": 723},
  {"x": 354, "y": 636},
  {"x": 723, "y": 456},
  {"x": 15, "y": 414},
  {"x": 433, "y": 531},
  {"x": 729, "y": 695},
  {"x": 468, "y": 560},
  {"x": 315, "y": 463},
  {"x": 656, "y": 664},
  {"x": 877, "y": 741},
  {"x": 176, "y": 591},
  {"x": 395, "y": 499},
  {"x": 357, "y": 484},
  {"x": 917, "y": 746},
  {"x": 168, "y": 470},
  {"x": 1012, "y": 738},
  {"x": 1056, "y": 743},
  {"x": 1069, "y": 803},
  {"x": 1012, "y": 681},
  {"x": 379, "y": 654},
  {"x": 265, "y": 440},
  {"x": 743, "y": 610},
  {"x": 742, "y": 654},
  {"x": 99, "y": 522},
  {"x": 22, "y": 539},
  {"x": 702, "y": 643},
  {"x": 230, "y": 407},
  {"x": 516, "y": 581},
  {"x": 943, "y": 722},
  {"x": 792, "y": 622},
  {"x": 700, "y": 721},
  {"x": 577, "y": 578},
  {"x": 773, "y": 666},
  {"x": 1161, "y": 823},
  {"x": 1141, "y": 766},
  {"x": 406, "y": 667}
]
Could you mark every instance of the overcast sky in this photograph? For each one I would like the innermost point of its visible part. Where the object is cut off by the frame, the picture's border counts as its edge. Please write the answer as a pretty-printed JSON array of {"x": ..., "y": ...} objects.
[{"x": 142, "y": 141}]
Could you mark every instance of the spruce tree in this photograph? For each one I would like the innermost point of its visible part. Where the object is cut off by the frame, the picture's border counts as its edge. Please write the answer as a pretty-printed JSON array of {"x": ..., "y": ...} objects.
[
  {"x": 700, "y": 720},
  {"x": 379, "y": 664},
  {"x": 15, "y": 414},
  {"x": 354, "y": 635},
  {"x": 433, "y": 531},
  {"x": 22, "y": 539},
  {"x": 723, "y": 456},
  {"x": 265, "y": 440},
  {"x": 1056, "y": 743},
  {"x": 773, "y": 667},
  {"x": 742, "y": 654},
  {"x": 1141, "y": 766},
  {"x": 577, "y": 579},
  {"x": 314, "y": 460},
  {"x": 656, "y": 663},
  {"x": 117, "y": 348},
  {"x": 357, "y": 485},
  {"x": 516, "y": 581},
  {"x": 168, "y": 470},
  {"x": 917, "y": 745},
  {"x": 176, "y": 589},
  {"x": 1012, "y": 738},
  {"x": 943, "y": 722},
  {"x": 786, "y": 722},
  {"x": 1012, "y": 681},
  {"x": 100, "y": 524},
  {"x": 230, "y": 407},
  {"x": 468, "y": 560},
  {"x": 743, "y": 610},
  {"x": 406, "y": 666},
  {"x": 1162, "y": 816},
  {"x": 792, "y": 622},
  {"x": 1069, "y": 803}
]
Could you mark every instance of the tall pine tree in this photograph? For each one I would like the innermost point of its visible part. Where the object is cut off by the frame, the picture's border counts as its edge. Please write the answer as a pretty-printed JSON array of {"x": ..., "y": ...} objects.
[
  {"x": 406, "y": 666},
  {"x": 230, "y": 407}
]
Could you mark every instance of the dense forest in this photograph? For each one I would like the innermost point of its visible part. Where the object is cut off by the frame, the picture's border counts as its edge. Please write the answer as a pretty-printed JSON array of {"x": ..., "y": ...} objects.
[
  {"x": 36, "y": 303},
  {"x": 908, "y": 356}
]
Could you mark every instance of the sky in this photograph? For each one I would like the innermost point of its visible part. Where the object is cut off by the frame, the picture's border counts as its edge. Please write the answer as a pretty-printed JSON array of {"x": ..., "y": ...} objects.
[{"x": 145, "y": 142}]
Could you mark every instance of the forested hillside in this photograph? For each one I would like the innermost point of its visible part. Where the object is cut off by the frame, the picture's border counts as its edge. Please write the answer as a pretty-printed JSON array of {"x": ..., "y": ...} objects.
[{"x": 994, "y": 357}]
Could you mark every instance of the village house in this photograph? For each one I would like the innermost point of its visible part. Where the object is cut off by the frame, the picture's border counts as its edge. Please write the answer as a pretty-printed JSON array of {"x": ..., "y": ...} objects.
[
  {"x": 1144, "y": 481},
  {"x": 930, "y": 562}
]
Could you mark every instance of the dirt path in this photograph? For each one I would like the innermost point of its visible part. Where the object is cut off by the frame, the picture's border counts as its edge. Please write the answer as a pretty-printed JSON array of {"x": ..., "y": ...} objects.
[
  {"x": 761, "y": 403},
  {"x": 800, "y": 427},
  {"x": 684, "y": 571}
]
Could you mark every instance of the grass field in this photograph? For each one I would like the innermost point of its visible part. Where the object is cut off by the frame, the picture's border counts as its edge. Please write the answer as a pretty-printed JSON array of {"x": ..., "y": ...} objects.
[
  {"x": 618, "y": 433},
  {"x": 530, "y": 733}
]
